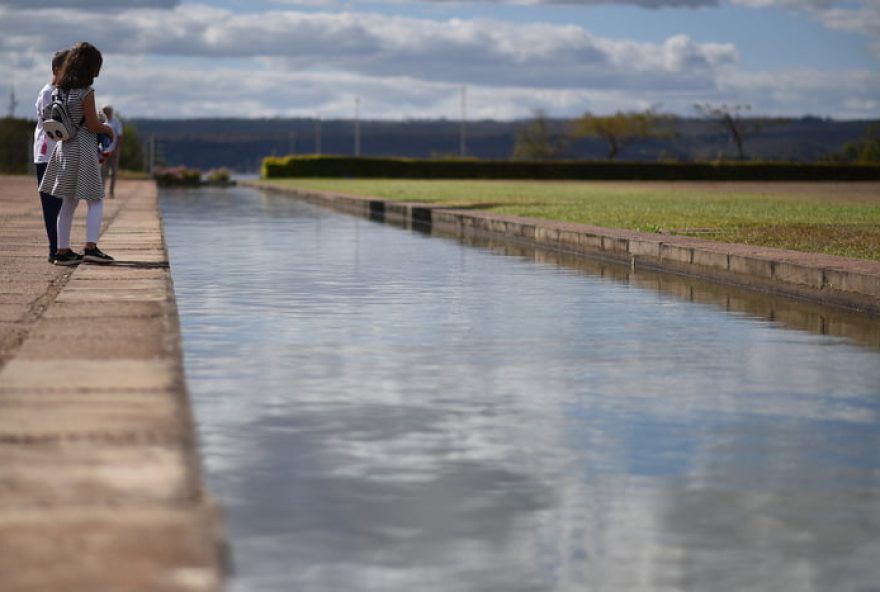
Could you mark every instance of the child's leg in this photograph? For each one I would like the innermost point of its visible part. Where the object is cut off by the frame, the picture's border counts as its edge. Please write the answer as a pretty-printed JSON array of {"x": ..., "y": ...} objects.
[
  {"x": 51, "y": 209},
  {"x": 94, "y": 219},
  {"x": 65, "y": 221},
  {"x": 51, "y": 206}
]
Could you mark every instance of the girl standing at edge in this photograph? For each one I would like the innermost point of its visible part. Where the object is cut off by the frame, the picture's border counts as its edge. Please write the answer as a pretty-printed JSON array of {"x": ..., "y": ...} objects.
[
  {"x": 43, "y": 146},
  {"x": 73, "y": 172}
]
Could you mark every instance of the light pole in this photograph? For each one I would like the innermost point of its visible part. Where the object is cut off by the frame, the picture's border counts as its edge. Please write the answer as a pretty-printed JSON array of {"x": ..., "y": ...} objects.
[{"x": 13, "y": 102}]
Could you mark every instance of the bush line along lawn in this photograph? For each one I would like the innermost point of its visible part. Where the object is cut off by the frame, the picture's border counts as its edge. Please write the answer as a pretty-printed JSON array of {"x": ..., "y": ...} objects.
[{"x": 833, "y": 218}]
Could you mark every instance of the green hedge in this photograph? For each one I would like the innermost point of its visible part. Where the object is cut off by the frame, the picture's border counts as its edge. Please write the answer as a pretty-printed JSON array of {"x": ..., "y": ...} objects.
[{"x": 406, "y": 168}]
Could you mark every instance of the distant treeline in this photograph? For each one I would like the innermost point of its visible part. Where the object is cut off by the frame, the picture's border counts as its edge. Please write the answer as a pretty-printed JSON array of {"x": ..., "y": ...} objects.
[
  {"x": 16, "y": 147},
  {"x": 241, "y": 144}
]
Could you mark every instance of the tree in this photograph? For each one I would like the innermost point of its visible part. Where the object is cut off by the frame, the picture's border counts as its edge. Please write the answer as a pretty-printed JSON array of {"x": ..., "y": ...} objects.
[
  {"x": 535, "y": 140},
  {"x": 132, "y": 157},
  {"x": 15, "y": 138},
  {"x": 730, "y": 117},
  {"x": 865, "y": 150},
  {"x": 623, "y": 129}
]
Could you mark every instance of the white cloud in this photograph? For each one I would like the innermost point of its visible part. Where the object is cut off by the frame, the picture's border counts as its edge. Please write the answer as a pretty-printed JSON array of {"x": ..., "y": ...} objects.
[
  {"x": 849, "y": 9},
  {"x": 323, "y": 3},
  {"x": 92, "y": 4},
  {"x": 650, "y": 4},
  {"x": 189, "y": 90},
  {"x": 195, "y": 60},
  {"x": 461, "y": 51},
  {"x": 798, "y": 4},
  {"x": 864, "y": 20},
  {"x": 845, "y": 94},
  {"x": 859, "y": 17}
]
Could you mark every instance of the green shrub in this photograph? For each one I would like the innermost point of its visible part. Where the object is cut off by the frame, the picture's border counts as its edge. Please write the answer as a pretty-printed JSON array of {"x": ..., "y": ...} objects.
[
  {"x": 15, "y": 137},
  {"x": 865, "y": 150},
  {"x": 132, "y": 155},
  {"x": 406, "y": 168}
]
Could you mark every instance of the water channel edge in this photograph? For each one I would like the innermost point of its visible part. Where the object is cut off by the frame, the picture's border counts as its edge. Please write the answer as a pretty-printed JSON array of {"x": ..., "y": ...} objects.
[{"x": 829, "y": 280}]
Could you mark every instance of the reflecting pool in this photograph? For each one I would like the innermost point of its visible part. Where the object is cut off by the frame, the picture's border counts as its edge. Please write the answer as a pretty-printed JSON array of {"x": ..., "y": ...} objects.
[{"x": 382, "y": 409}]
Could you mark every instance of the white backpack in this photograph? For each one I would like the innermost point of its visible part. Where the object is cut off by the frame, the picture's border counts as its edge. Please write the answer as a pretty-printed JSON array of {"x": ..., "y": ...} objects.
[{"x": 57, "y": 122}]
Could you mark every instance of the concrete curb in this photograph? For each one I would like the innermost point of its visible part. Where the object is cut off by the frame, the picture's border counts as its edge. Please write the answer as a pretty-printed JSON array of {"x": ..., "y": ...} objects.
[
  {"x": 825, "y": 279},
  {"x": 101, "y": 485}
]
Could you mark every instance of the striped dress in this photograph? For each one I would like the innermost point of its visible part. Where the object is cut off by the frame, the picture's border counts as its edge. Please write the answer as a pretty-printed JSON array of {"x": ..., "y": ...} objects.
[{"x": 73, "y": 170}]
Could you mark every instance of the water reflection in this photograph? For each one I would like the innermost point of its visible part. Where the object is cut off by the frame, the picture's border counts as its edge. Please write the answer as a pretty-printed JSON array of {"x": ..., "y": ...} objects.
[
  {"x": 380, "y": 409},
  {"x": 788, "y": 312}
]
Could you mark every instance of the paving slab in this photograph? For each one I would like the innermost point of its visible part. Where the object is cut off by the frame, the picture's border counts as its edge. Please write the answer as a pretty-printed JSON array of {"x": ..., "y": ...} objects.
[
  {"x": 108, "y": 348},
  {"x": 107, "y": 310},
  {"x": 100, "y": 272},
  {"x": 76, "y": 374},
  {"x": 54, "y": 472},
  {"x": 12, "y": 312},
  {"x": 91, "y": 417},
  {"x": 113, "y": 548}
]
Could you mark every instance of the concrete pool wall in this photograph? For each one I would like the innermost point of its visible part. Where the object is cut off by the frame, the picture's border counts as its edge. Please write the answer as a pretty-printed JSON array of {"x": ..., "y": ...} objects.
[{"x": 826, "y": 279}]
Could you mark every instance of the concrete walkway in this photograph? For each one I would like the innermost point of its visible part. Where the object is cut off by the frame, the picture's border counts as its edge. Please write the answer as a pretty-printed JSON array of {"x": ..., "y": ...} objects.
[{"x": 100, "y": 480}]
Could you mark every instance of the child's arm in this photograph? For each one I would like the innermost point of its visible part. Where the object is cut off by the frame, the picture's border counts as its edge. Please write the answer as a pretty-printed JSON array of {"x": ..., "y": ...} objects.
[{"x": 91, "y": 114}]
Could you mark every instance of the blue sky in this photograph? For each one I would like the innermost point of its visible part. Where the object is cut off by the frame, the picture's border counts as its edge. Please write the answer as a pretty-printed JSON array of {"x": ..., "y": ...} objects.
[{"x": 408, "y": 59}]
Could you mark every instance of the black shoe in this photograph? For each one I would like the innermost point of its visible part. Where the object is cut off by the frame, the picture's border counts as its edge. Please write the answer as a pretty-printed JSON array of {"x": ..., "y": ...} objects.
[
  {"x": 68, "y": 258},
  {"x": 96, "y": 256},
  {"x": 51, "y": 259}
]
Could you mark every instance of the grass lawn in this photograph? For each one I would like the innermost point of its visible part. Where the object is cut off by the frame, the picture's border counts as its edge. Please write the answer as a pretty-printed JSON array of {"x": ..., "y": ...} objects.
[{"x": 824, "y": 217}]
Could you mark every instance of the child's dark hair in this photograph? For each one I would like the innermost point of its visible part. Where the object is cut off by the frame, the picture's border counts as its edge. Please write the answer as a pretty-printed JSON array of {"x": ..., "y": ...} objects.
[
  {"x": 82, "y": 64},
  {"x": 58, "y": 63}
]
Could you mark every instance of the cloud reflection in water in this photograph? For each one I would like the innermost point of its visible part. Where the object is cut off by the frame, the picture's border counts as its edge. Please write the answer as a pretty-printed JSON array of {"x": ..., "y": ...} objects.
[{"x": 386, "y": 410}]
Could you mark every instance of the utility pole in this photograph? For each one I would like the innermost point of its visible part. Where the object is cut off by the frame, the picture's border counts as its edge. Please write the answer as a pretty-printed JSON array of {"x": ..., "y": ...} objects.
[
  {"x": 462, "y": 148},
  {"x": 13, "y": 103},
  {"x": 357, "y": 126}
]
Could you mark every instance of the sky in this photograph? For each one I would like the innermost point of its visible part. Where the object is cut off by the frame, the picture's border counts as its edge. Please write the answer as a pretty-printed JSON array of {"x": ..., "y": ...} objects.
[{"x": 489, "y": 59}]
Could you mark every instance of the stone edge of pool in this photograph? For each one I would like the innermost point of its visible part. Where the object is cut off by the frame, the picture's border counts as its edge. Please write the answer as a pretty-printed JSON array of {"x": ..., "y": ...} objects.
[
  {"x": 826, "y": 279},
  {"x": 100, "y": 477}
]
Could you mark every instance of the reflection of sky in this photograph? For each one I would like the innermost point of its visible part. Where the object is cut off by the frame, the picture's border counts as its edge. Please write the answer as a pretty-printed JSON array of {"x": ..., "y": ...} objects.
[{"x": 381, "y": 409}]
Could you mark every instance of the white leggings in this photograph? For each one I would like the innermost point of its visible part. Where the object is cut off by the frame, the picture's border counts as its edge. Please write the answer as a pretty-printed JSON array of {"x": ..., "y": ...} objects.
[{"x": 93, "y": 220}]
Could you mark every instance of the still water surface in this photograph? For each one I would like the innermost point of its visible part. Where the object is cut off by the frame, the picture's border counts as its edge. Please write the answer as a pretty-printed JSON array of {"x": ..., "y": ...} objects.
[{"x": 380, "y": 409}]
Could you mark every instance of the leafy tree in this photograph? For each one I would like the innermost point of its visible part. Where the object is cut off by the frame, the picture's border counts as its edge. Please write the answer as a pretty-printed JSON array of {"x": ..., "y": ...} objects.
[
  {"x": 535, "y": 140},
  {"x": 132, "y": 157},
  {"x": 623, "y": 129},
  {"x": 731, "y": 119},
  {"x": 865, "y": 150},
  {"x": 15, "y": 138}
]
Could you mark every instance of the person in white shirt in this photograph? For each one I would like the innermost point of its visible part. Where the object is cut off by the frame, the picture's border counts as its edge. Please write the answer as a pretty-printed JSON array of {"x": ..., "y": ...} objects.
[
  {"x": 43, "y": 147},
  {"x": 110, "y": 166}
]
